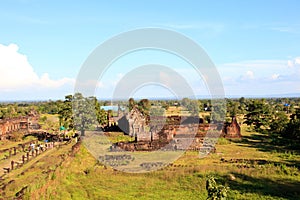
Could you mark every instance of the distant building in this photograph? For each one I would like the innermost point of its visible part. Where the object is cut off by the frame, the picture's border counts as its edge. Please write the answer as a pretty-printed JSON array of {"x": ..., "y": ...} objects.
[{"x": 8, "y": 126}]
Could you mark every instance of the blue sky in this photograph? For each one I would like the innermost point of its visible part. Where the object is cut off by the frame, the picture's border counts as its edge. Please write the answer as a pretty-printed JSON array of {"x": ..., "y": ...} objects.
[{"x": 254, "y": 44}]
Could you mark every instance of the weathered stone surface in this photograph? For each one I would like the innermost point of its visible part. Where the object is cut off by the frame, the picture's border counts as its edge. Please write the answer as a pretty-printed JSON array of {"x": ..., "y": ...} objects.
[
  {"x": 8, "y": 126},
  {"x": 232, "y": 130},
  {"x": 137, "y": 124},
  {"x": 172, "y": 132}
]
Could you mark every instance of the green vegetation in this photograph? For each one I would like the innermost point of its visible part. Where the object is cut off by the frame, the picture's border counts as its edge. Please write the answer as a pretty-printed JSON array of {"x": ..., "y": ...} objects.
[
  {"x": 263, "y": 164},
  {"x": 49, "y": 122},
  {"x": 11, "y": 110},
  {"x": 81, "y": 113},
  {"x": 215, "y": 192},
  {"x": 252, "y": 167},
  {"x": 118, "y": 137}
]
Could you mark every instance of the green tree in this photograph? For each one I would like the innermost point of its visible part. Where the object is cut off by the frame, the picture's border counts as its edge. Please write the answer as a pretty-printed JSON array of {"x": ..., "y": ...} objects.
[
  {"x": 218, "y": 113},
  {"x": 242, "y": 100},
  {"x": 84, "y": 113},
  {"x": 144, "y": 106},
  {"x": 1, "y": 114},
  {"x": 66, "y": 113},
  {"x": 292, "y": 129},
  {"x": 232, "y": 108},
  {"x": 191, "y": 105},
  {"x": 165, "y": 105},
  {"x": 279, "y": 122},
  {"x": 131, "y": 103},
  {"x": 258, "y": 115},
  {"x": 200, "y": 105},
  {"x": 100, "y": 113},
  {"x": 242, "y": 105},
  {"x": 185, "y": 102}
]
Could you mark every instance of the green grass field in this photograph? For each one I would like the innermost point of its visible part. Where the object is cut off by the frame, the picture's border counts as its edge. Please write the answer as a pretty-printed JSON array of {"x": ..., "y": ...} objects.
[{"x": 251, "y": 167}]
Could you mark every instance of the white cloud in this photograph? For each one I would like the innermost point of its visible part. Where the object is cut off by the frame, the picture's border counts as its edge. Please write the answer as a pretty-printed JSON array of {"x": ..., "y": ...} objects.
[
  {"x": 17, "y": 73},
  {"x": 274, "y": 76},
  {"x": 290, "y": 63},
  {"x": 297, "y": 61},
  {"x": 294, "y": 62},
  {"x": 249, "y": 75},
  {"x": 262, "y": 69},
  {"x": 245, "y": 77},
  {"x": 261, "y": 77},
  {"x": 46, "y": 82}
]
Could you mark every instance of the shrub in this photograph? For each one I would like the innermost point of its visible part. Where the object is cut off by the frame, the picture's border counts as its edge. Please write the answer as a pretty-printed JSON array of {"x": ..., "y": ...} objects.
[{"x": 215, "y": 192}]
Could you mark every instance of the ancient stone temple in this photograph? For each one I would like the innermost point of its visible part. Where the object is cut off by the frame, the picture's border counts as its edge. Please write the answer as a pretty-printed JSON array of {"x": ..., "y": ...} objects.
[
  {"x": 25, "y": 123},
  {"x": 232, "y": 130},
  {"x": 172, "y": 132},
  {"x": 136, "y": 124},
  {"x": 8, "y": 126}
]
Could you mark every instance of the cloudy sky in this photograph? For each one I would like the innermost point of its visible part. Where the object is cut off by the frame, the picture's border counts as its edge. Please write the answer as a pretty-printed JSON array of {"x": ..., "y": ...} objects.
[{"x": 43, "y": 44}]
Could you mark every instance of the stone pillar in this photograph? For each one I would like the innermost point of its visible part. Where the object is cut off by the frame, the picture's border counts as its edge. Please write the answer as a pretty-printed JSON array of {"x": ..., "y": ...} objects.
[
  {"x": 12, "y": 165},
  {"x": 27, "y": 155}
]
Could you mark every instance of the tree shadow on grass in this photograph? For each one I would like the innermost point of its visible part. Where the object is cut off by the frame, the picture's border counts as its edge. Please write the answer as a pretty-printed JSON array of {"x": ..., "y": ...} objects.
[
  {"x": 283, "y": 188},
  {"x": 242, "y": 186},
  {"x": 269, "y": 144},
  {"x": 288, "y": 152}
]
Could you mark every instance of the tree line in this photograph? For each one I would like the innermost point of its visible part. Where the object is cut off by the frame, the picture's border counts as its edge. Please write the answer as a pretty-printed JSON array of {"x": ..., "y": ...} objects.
[{"x": 277, "y": 117}]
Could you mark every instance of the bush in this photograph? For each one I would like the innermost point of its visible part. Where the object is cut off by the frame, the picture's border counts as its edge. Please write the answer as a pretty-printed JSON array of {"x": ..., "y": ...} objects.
[{"x": 216, "y": 192}]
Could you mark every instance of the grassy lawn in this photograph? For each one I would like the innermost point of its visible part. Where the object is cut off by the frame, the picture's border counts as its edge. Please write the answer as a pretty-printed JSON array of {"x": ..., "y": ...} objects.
[
  {"x": 248, "y": 166},
  {"x": 35, "y": 173}
]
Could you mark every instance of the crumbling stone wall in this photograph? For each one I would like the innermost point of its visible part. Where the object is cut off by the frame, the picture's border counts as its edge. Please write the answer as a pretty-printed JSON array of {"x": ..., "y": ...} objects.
[
  {"x": 175, "y": 132},
  {"x": 8, "y": 126}
]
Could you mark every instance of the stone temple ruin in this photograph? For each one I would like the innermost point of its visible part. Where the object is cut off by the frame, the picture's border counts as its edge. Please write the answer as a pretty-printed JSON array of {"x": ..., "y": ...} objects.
[
  {"x": 232, "y": 130},
  {"x": 173, "y": 132},
  {"x": 18, "y": 124}
]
